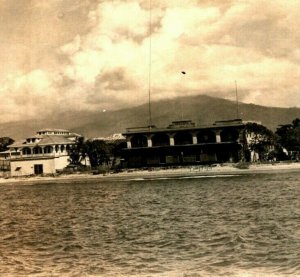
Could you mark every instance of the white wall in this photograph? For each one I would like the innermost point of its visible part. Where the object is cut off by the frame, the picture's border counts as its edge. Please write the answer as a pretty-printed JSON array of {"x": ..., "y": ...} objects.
[
  {"x": 50, "y": 165},
  {"x": 27, "y": 166},
  {"x": 61, "y": 162}
]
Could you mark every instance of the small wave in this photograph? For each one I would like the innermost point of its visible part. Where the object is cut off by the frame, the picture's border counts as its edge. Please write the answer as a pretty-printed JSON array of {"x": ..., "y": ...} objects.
[
  {"x": 72, "y": 247},
  {"x": 135, "y": 179},
  {"x": 209, "y": 176},
  {"x": 182, "y": 177},
  {"x": 214, "y": 225},
  {"x": 9, "y": 237}
]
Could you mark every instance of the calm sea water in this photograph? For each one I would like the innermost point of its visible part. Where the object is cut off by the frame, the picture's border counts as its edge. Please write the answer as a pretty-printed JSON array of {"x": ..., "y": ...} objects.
[{"x": 214, "y": 226}]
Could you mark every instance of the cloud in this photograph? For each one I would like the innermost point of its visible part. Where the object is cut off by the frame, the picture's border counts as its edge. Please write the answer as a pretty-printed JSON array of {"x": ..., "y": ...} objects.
[
  {"x": 33, "y": 93},
  {"x": 106, "y": 65}
]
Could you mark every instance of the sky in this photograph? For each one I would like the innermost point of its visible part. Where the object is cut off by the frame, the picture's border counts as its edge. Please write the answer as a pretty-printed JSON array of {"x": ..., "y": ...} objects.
[{"x": 61, "y": 55}]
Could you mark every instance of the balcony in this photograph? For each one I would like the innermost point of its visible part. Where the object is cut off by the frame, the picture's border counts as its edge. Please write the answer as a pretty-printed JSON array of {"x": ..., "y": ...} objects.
[{"x": 37, "y": 156}]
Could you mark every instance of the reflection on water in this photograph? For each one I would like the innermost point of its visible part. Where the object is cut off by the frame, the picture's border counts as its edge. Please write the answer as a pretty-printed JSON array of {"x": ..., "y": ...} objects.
[{"x": 224, "y": 226}]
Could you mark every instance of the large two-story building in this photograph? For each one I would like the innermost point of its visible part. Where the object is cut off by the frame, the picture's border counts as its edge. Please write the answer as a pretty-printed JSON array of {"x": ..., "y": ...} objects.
[
  {"x": 43, "y": 153},
  {"x": 182, "y": 143}
]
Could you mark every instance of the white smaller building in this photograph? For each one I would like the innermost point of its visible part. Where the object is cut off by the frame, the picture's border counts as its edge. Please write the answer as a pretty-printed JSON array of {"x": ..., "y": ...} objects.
[{"x": 44, "y": 153}]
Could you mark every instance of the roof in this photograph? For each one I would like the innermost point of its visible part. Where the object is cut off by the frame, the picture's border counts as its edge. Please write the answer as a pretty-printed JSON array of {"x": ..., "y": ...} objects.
[
  {"x": 54, "y": 139},
  {"x": 53, "y": 130},
  {"x": 45, "y": 140},
  {"x": 184, "y": 125},
  {"x": 19, "y": 143},
  {"x": 74, "y": 135}
]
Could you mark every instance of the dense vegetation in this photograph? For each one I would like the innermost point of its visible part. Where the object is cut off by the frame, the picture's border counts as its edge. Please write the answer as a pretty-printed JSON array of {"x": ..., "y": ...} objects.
[
  {"x": 99, "y": 152},
  {"x": 282, "y": 145},
  {"x": 5, "y": 142},
  {"x": 261, "y": 140},
  {"x": 289, "y": 137}
]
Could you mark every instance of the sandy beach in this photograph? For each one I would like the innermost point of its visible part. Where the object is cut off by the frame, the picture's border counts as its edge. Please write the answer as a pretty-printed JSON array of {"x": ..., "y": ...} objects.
[
  {"x": 207, "y": 171},
  {"x": 153, "y": 173}
]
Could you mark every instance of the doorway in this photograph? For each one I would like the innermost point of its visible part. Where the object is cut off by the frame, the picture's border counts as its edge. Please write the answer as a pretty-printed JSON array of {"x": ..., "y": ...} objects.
[{"x": 38, "y": 169}]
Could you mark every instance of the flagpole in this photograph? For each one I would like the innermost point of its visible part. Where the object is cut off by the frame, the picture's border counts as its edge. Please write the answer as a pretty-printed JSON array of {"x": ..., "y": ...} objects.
[
  {"x": 149, "y": 69},
  {"x": 237, "y": 101}
]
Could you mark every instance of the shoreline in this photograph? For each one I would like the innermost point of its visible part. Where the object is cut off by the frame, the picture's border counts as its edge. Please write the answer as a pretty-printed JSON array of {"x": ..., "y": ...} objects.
[{"x": 162, "y": 173}]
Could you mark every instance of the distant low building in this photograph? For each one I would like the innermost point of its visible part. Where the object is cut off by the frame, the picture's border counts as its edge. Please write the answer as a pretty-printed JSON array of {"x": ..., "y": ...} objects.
[
  {"x": 44, "y": 153},
  {"x": 112, "y": 138},
  {"x": 183, "y": 143}
]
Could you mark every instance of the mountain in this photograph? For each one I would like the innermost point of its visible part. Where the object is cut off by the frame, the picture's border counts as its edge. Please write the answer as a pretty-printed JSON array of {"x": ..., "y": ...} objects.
[{"x": 201, "y": 109}]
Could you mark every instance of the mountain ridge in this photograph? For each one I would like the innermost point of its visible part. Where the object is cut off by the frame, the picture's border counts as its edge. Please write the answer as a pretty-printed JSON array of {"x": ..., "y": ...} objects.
[{"x": 202, "y": 109}]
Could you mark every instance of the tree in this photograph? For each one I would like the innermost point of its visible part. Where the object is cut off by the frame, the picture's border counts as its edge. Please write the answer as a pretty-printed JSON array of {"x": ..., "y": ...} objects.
[
  {"x": 260, "y": 140},
  {"x": 116, "y": 151},
  {"x": 289, "y": 136},
  {"x": 98, "y": 152},
  {"x": 77, "y": 151},
  {"x": 4, "y": 142}
]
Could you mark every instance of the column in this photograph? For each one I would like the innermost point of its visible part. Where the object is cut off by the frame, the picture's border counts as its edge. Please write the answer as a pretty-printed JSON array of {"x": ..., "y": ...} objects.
[
  {"x": 172, "y": 142},
  {"x": 218, "y": 136},
  {"x": 149, "y": 141},
  {"x": 195, "y": 139}
]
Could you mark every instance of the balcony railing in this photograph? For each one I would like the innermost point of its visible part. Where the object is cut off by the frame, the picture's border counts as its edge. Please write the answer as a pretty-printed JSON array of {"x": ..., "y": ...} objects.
[{"x": 40, "y": 155}]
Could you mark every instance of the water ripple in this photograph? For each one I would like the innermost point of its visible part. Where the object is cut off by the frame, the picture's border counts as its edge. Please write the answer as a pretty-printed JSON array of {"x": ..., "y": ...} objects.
[{"x": 233, "y": 226}]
